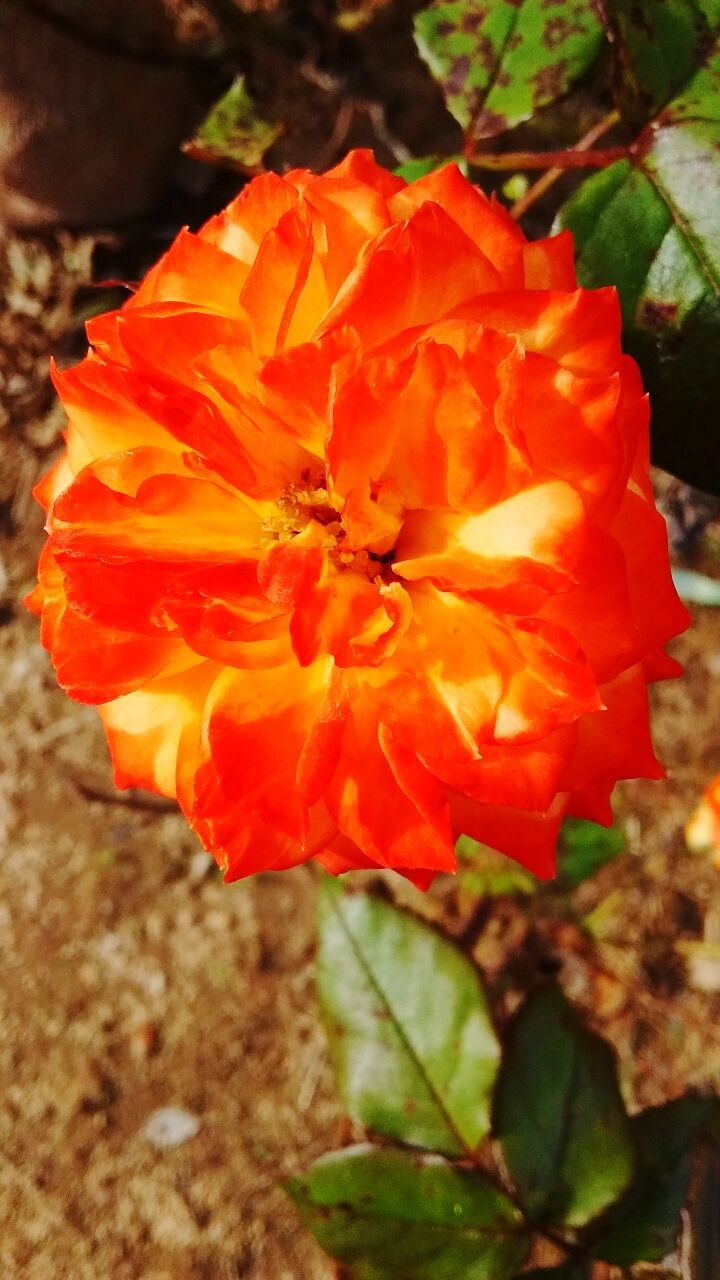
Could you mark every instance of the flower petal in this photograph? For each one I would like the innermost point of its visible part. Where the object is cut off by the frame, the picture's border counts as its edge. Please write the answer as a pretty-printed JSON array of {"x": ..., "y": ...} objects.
[
  {"x": 512, "y": 556},
  {"x": 257, "y": 727},
  {"x": 413, "y": 274},
  {"x": 383, "y": 800},
  {"x": 529, "y": 838},
  {"x": 486, "y": 222}
]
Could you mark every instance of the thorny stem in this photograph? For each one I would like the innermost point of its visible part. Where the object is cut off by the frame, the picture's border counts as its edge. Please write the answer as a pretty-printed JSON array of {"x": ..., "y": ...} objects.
[{"x": 548, "y": 179}]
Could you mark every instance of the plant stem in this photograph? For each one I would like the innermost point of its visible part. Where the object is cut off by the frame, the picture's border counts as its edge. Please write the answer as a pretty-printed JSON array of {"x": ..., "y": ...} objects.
[
  {"x": 548, "y": 179},
  {"x": 571, "y": 158}
]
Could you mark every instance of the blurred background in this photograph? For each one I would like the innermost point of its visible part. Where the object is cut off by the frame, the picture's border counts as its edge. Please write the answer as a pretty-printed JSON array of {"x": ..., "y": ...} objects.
[{"x": 161, "y": 1063}]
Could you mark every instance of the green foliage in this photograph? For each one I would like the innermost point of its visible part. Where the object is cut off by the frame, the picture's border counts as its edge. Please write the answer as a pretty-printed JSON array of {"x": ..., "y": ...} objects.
[
  {"x": 657, "y": 46},
  {"x": 585, "y": 847},
  {"x": 233, "y": 134},
  {"x": 419, "y": 166},
  {"x": 559, "y": 1116},
  {"x": 415, "y": 1056},
  {"x": 412, "y": 1043},
  {"x": 499, "y": 61},
  {"x": 650, "y": 224},
  {"x": 645, "y": 1224},
  {"x": 484, "y": 871},
  {"x": 396, "y": 1213}
]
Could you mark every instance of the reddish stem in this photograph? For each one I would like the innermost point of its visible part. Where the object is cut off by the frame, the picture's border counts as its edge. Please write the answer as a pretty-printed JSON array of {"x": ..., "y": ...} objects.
[
  {"x": 569, "y": 159},
  {"x": 550, "y": 176}
]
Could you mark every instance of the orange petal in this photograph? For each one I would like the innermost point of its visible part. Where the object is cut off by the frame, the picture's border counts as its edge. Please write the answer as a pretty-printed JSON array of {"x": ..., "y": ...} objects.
[
  {"x": 466, "y": 676},
  {"x": 486, "y": 222},
  {"x": 426, "y": 437},
  {"x": 240, "y": 229},
  {"x": 145, "y": 728},
  {"x": 529, "y": 838},
  {"x": 285, "y": 294},
  {"x": 109, "y": 411},
  {"x": 570, "y": 425},
  {"x": 241, "y": 842},
  {"x": 193, "y": 270},
  {"x": 512, "y": 556},
  {"x": 96, "y": 664},
  {"x": 413, "y": 274},
  {"x": 358, "y": 168},
  {"x": 258, "y": 724},
  {"x": 350, "y": 617},
  {"x": 615, "y": 743},
  {"x": 600, "y": 576},
  {"x": 521, "y": 776},
  {"x": 657, "y": 611},
  {"x": 144, "y": 505},
  {"x": 580, "y": 330},
  {"x": 383, "y": 800},
  {"x": 592, "y": 803},
  {"x": 550, "y": 263},
  {"x": 346, "y": 211}
]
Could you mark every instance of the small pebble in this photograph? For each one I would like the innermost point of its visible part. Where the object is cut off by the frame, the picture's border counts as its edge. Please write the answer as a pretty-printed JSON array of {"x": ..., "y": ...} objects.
[
  {"x": 704, "y": 972},
  {"x": 199, "y": 866},
  {"x": 169, "y": 1127}
]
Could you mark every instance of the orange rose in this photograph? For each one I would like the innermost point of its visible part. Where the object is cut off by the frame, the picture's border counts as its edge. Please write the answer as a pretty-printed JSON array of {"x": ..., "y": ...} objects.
[{"x": 354, "y": 537}]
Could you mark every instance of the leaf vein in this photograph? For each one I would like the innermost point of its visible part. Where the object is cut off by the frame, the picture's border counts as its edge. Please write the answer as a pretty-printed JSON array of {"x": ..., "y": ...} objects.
[
  {"x": 683, "y": 225},
  {"x": 432, "y": 1088}
]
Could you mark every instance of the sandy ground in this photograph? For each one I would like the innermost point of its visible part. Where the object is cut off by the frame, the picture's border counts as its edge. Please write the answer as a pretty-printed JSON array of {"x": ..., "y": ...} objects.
[{"x": 134, "y": 980}]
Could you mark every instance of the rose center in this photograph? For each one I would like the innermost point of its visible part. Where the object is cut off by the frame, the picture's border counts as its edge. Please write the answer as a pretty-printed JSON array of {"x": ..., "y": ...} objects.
[{"x": 305, "y": 503}]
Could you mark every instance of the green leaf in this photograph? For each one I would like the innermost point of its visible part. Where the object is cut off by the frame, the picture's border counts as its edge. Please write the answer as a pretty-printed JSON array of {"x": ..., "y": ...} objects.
[
  {"x": 485, "y": 871},
  {"x": 585, "y": 847},
  {"x": 499, "y": 62},
  {"x": 233, "y": 134},
  {"x": 696, "y": 588},
  {"x": 389, "y": 1213},
  {"x": 644, "y": 1226},
  {"x": 559, "y": 1116},
  {"x": 650, "y": 225},
  {"x": 412, "y": 1043},
  {"x": 657, "y": 45},
  {"x": 419, "y": 166}
]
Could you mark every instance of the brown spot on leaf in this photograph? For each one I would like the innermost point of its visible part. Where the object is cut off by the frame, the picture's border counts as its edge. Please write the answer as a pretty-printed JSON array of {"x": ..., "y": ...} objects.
[
  {"x": 486, "y": 53},
  {"x": 489, "y": 123},
  {"x": 550, "y": 82},
  {"x": 444, "y": 29},
  {"x": 458, "y": 74},
  {"x": 473, "y": 21},
  {"x": 514, "y": 42},
  {"x": 502, "y": 80},
  {"x": 558, "y": 30},
  {"x": 657, "y": 316}
]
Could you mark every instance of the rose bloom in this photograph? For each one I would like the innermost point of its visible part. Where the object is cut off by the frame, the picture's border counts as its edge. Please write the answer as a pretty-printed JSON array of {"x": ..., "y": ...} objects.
[
  {"x": 354, "y": 540},
  {"x": 702, "y": 830}
]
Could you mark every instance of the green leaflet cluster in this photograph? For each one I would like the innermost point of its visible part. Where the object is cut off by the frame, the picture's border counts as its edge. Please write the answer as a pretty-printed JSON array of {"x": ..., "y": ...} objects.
[{"x": 489, "y": 1147}]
